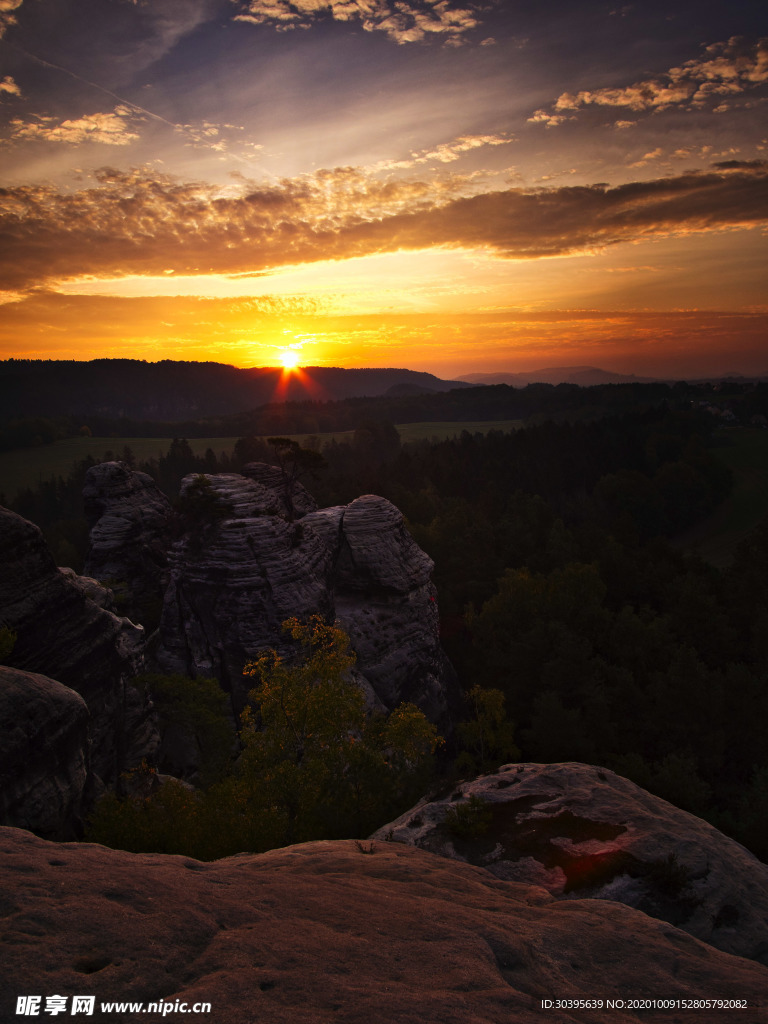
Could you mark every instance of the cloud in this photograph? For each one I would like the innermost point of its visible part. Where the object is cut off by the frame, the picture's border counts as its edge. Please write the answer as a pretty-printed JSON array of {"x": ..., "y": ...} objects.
[
  {"x": 725, "y": 69},
  {"x": 7, "y": 17},
  {"x": 8, "y": 85},
  {"x": 405, "y": 21},
  {"x": 110, "y": 129},
  {"x": 446, "y": 152},
  {"x": 136, "y": 223},
  {"x": 550, "y": 120},
  {"x": 654, "y": 154}
]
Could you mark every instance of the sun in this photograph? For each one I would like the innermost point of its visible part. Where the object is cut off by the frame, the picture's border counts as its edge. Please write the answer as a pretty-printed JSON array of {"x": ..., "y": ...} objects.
[{"x": 289, "y": 358}]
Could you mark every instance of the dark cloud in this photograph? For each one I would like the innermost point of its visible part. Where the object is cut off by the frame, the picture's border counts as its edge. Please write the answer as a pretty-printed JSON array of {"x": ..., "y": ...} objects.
[{"x": 131, "y": 223}]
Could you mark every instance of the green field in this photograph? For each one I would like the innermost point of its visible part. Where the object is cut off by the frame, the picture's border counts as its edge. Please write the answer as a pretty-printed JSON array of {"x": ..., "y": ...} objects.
[
  {"x": 745, "y": 452},
  {"x": 30, "y": 466}
]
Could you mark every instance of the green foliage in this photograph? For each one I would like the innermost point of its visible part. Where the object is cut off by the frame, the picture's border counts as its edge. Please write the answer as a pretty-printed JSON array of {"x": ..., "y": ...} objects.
[
  {"x": 166, "y": 822},
  {"x": 196, "y": 708},
  {"x": 487, "y": 735},
  {"x": 314, "y": 764},
  {"x": 469, "y": 820},
  {"x": 315, "y": 761},
  {"x": 7, "y": 641}
]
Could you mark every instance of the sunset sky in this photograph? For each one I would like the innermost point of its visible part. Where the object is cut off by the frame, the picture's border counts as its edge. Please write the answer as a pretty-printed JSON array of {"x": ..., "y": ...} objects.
[{"x": 446, "y": 185}]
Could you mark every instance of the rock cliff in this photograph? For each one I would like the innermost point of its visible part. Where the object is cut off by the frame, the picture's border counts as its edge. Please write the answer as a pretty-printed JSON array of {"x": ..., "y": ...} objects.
[
  {"x": 129, "y": 519},
  {"x": 241, "y": 569},
  {"x": 586, "y": 833},
  {"x": 332, "y": 932},
  {"x": 63, "y": 634},
  {"x": 44, "y": 753}
]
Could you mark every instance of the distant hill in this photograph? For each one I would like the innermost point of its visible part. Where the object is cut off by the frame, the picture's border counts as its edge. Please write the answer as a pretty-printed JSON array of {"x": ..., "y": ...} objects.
[
  {"x": 173, "y": 391},
  {"x": 584, "y": 376}
]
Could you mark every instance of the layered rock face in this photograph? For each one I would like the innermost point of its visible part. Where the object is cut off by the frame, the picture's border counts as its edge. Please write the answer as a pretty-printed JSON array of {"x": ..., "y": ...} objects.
[
  {"x": 243, "y": 569},
  {"x": 331, "y": 932},
  {"x": 384, "y": 598},
  {"x": 63, "y": 634},
  {"x": 44, "y": 751},
  {"x": 129, "y": 518},
  {"x": 585, "y": 833}
]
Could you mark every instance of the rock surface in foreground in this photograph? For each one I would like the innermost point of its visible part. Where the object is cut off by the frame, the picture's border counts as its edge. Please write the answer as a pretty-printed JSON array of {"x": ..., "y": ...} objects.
[
  {"x": 582, "y": 832},
  {"x": 326, "y": 932}
]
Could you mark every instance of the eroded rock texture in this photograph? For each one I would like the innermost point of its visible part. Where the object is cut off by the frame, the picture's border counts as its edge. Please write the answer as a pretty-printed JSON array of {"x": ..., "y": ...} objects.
[
  {"x": 242, "y": 569},
  {"x": 584, "y": 832},
  {"x": 301, "y": 501},
  {"x": 326, "y": 932},
  {"x": 44, "y": 751},
  {"x": 129, "y": 518},
  {"x": 63, "y": 634}
]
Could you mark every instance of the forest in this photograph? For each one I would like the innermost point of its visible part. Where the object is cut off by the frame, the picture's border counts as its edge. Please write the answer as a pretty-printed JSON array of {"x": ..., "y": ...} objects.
[{"x": 562, "y": 587}]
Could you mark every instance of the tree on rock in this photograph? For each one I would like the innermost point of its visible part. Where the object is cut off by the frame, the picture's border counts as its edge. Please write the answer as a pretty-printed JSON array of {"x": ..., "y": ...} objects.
[
  {"x": 294, "y": 463},
  {"x": 316, "y": 764}
]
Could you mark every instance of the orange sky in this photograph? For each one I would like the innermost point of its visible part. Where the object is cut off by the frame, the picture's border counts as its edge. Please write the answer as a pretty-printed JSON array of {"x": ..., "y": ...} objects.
[{"x": 451, "y": 187}]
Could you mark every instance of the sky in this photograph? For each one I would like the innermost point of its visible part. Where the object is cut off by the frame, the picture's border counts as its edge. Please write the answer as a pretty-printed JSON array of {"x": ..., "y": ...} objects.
[{"x": 445, "y": 185}]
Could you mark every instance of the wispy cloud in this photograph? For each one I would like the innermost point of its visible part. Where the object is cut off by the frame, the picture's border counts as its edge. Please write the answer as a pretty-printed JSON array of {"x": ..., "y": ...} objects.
[
  {"x": 725, "y": 69},
  {"x": 446, "y": 152},
  {"x": 134, "y": 223},
  {"x": 405, "y": 21},
  {"x": 111, "y": 129}
]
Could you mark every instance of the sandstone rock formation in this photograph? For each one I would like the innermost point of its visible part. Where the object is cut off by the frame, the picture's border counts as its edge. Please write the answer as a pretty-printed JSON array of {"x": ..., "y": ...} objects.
[
  {"x": 91, "y": 588},
  {"x": 271, "y": 478},
  {"x": 586, "y": 833},
  {"x": 43, "y": 753},
  {"x": 129, "y": 518},
  {"x": 384, "y": 598},
  {"x": 330, "y": 932},
  {"x": 242, "y": 569},
  {"x": 63, "y": 634}
]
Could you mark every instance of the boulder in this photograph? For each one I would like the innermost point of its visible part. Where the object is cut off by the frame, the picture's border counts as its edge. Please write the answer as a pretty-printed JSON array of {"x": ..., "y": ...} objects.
[
  {"x": 130, "y": 520},
  {"x": 583, "y": 832},
  {"x": 43, "y": 754},
  {"x": 63, "y": 634},
  {"x": 343, "y": 932}
]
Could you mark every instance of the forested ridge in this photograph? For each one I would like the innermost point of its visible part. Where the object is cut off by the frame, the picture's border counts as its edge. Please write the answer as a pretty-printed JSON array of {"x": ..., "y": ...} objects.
[
  {"x": 558, "y": 585},
  {"x": 136, "y": 392}
]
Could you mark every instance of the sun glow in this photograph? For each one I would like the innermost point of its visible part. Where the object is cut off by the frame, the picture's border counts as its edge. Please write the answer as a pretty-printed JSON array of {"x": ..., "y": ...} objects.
[{"x": 289, "y": 358}]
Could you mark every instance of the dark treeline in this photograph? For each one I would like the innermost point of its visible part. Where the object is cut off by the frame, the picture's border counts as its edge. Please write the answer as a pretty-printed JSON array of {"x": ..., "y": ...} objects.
[
  {"x": 559, "y": 588},
  {"x": 135, "y": 391},
  {"x": 535, "y": 403}
]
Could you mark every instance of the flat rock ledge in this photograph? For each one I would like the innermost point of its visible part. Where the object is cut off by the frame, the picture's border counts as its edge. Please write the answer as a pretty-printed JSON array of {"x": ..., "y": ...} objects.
[
  {"x": 583, "y": 832},
  {"x": 341, "y": 932}
]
